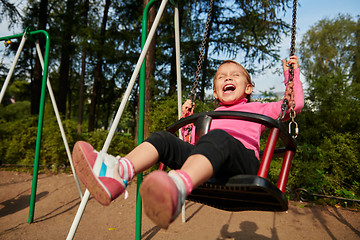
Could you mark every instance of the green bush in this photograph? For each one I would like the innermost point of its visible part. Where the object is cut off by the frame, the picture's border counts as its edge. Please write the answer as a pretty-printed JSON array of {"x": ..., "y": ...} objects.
[
  {"x": 121, "y": 144},
  {"x": 165, "y": 112},
  {"x": 18, "y": 134},
  {"x": 18, "y": 110},
  {"x": 330, "y": 169}
]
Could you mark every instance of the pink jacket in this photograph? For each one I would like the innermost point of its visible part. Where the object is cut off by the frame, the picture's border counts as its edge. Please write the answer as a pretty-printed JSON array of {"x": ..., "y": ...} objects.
[{"x": 248, "y": 132}]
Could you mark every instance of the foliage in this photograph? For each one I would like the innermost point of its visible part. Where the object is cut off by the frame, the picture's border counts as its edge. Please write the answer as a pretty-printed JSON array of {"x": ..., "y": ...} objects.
[
  {"x": 328, "y": 156},
  {"x": 329, "y": 47},
  {"x": 18, "y": 138},
  {"x": 121, "y": 144},
  {"x": 165, "y": 112},
  {"x": 9, "y": 11},
  {"x": 15, "y": 111}
]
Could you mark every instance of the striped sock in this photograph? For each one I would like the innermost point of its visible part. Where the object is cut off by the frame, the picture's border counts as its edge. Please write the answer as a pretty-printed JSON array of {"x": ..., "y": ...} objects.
[
  {"x": 187, "y": 181},
  {"x": 126, "y": 169},
  {"x": 184, "y": 185}
]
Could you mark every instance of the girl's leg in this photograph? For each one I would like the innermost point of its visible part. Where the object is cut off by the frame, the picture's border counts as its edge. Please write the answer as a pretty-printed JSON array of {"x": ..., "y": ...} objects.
[
  {"x": 143, "y": 157},
  {"x": 227, "y": 155},
  {"x": 163, "y": 194},
  {"x": 199, "y": 169}
]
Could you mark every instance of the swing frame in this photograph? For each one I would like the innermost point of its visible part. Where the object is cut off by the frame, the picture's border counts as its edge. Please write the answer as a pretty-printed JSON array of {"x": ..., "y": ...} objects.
[{"x": 146, "y": 39}]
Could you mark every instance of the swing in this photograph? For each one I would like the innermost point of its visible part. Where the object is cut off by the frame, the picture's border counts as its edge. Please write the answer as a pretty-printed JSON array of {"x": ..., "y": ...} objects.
[
  {"x": 248, "y": 192},
  {"x": 245, "y": 192}
]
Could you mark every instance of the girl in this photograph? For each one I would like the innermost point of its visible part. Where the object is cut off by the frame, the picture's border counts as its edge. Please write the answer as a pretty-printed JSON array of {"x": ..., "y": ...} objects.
[{"x": 231, "y": 147}]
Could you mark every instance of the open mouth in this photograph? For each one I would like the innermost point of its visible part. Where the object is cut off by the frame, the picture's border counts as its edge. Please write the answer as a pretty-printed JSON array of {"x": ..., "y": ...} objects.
[{"x": 229, "y": 88}]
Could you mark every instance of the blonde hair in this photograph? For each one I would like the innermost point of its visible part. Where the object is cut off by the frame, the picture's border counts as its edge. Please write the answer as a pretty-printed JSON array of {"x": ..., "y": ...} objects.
[{"x": 245, "y": 72}]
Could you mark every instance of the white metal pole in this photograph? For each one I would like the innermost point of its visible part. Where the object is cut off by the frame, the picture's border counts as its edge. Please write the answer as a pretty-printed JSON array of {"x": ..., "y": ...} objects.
[
  {"x": 134, "y": 75},
  {"x": 177, "y": 54},
  {"x": 51, "y": 93},
  {"x": 78, "y": 215},
  {"x": 12, "y": 68},
  {"x": 151, "y": 34},
  {"x": 178, "y": 79}
]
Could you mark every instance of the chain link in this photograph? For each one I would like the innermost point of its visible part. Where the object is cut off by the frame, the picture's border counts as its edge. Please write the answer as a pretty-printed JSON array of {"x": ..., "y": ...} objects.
[{"x": 201, "y": 56}]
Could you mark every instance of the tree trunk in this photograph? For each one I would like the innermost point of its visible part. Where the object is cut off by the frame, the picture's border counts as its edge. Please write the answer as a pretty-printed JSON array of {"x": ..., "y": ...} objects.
[
  {"x": 69, "y": 93},
  {"x": 66, "y": 50},
  {"x": 37, "y": 80},
  {"x": 150, "y": 71},
  {"x": 98, "y": 75},
  {"x": 83, "y": 70}
]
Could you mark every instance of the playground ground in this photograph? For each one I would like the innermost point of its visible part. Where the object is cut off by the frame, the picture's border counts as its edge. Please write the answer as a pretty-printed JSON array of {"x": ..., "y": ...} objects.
[{"x": 58, "y": 201}]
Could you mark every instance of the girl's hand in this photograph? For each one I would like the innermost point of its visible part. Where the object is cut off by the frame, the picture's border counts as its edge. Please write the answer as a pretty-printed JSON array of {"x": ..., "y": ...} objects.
[
  {"x": 187, "y": 105},
  {"x": 293, "y": 60},
  {"x": 187, "y": 108}
]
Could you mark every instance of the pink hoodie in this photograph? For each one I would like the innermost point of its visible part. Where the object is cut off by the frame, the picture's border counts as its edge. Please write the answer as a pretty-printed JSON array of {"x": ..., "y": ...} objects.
[{"x": 248, "y": 132}]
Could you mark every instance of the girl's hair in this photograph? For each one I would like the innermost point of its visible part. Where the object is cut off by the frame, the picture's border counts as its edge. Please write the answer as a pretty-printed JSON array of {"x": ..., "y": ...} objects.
[{"x": 247, "y": 75}]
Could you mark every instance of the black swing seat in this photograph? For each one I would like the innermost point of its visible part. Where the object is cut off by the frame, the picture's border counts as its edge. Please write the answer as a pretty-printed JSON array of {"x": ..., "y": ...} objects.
[{"x": 241, "y": 192}]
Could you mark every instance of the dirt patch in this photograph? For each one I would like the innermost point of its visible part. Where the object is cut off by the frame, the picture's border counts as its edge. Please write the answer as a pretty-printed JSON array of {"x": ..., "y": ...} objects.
[{"x": 58, "y": 200}]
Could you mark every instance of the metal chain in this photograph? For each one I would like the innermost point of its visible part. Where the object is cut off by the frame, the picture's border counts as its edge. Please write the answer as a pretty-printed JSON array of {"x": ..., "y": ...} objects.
[
  {"x": 289, "y": 102},
  {"x": 293, "y": 123},
  {"x": 201, "y": 56},
  {"x": 192, "y": 97},
  {"x": 293, "y": 29}
]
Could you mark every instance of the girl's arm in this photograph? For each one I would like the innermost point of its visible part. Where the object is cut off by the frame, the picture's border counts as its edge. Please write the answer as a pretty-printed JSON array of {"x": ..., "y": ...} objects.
[{"x": 297, "y": 85}]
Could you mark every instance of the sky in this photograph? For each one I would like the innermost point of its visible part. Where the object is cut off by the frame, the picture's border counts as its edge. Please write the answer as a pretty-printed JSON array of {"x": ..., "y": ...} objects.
[{"x": 309, "y": 12}]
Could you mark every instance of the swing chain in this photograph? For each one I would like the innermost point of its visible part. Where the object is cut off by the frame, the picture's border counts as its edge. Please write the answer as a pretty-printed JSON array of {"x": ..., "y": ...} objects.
[
  {"x": 291, "y": 73},
  {"x": 293, "y": 29},
  {"x": 288, "y": 102},
  {"x": 201, "y": 56}
]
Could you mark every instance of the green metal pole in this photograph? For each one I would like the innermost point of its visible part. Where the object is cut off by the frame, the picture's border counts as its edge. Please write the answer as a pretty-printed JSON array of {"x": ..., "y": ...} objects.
[
  {"x": 40, "y": 124},
  {"x": 11, "y": 37},
  {"x": 41, "y": 114},
  {"x": 141, "y": 118}
]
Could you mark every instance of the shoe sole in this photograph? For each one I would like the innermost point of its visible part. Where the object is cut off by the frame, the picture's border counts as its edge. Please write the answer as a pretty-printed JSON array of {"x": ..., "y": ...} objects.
[
  {"x": 87, "y": 177},
  {"x": 156, "y": 192}
]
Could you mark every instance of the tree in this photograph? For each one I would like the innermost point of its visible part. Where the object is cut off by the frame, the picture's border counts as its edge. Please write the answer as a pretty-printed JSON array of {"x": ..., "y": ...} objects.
[
  {"x": 37, "y": 73},
  {"x": 98, "y": 71},
  {"x": 329, "y": 54},
  {"x": 67, "y": 31},
  {"x": 9, "y": 11},
  {"x": 251, "y": 29},
  {"x": 328, "y": 156},
  {"x": 85, "y": 11}
]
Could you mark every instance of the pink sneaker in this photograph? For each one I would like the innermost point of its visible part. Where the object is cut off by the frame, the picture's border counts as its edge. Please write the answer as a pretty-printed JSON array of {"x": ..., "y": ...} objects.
[
  {"x": 102, "y": 178},
  {"x": 161, "y": 198}
]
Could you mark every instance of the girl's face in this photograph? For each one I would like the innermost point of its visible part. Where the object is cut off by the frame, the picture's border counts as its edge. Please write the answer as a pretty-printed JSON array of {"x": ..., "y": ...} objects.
[{"x": 230, "y": 84}]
